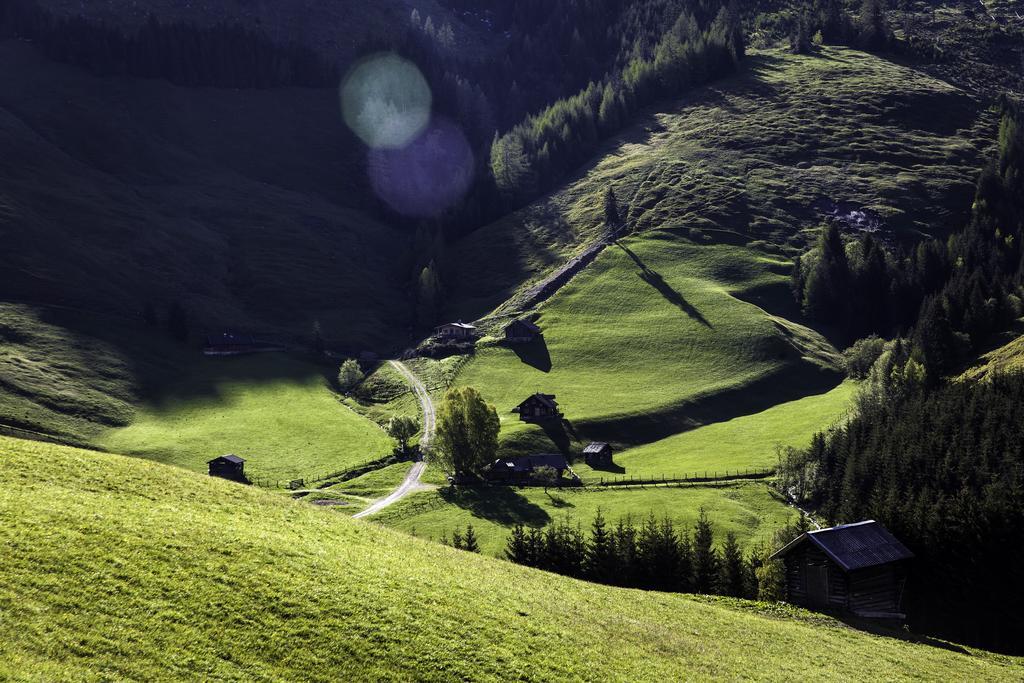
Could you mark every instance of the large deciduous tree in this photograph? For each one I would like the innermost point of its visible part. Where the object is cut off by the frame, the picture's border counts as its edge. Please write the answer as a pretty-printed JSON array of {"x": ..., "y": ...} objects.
[{"x": 467, "y": 432}]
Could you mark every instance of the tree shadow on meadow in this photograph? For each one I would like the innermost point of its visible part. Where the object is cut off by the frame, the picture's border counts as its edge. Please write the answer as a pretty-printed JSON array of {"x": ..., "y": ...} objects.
[
  {"x": 654, "y": 279},
  {"x": 499, "y": 504}
]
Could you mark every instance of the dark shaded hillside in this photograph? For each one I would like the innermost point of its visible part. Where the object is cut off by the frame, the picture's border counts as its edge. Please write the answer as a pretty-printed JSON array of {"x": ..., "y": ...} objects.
[
  {"x": 335, "y": 27},
  {"x": 115, "y": 193}
]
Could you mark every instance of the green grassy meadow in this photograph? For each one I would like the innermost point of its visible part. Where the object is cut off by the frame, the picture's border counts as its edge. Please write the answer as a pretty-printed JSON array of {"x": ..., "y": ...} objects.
[
  {"x": 276, "y": 411},
  {"x": 747, "y": 442},
  {"x": 153, "y": 573},
  {"x": 748, "y": 509},
  {"x": 657, "y": 336}
]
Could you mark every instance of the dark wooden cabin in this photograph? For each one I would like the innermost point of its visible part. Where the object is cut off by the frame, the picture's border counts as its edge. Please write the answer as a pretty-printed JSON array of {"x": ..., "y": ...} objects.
[
  {"x": 538, "y": 408},
  {"x": 521, "y": 331},
  {"x": 455, "y": 331},
  {"x": 857, "y": 569},
  {"x": 598, "y": 454},
  {"x": 520, "y": 470},
  {"x": 228, "y": 467}
]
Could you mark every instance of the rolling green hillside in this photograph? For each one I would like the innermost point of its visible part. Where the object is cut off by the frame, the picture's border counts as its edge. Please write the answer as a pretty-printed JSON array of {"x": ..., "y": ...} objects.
[
  {"x": 746, "y": 442},
  {"x": 657, "y": 336},
  {"x": 279, "y": 413},
  {"x": 155, "y": 574},
  {"x": 753, "y": 155}
]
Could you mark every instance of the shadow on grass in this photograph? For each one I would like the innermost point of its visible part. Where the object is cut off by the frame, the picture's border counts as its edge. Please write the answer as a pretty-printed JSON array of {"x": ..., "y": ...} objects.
[
  {"x": 898, "y": 633},
  {"x": 534, "y": 353},
  {"x": 784, "y": 386},
  {"x": 499, "y": 504},
  {"x": 559, "y": 502},
  {"x": 610, "y": 468},
  {"x": 654, "y": 279}
]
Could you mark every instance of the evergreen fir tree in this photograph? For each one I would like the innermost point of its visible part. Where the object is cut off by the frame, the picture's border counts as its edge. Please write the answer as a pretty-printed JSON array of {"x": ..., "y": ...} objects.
[
  {"x": 469, "y": 541},
  {"x": 732, "y": 578},
  {"x": 705, "y": 558}
]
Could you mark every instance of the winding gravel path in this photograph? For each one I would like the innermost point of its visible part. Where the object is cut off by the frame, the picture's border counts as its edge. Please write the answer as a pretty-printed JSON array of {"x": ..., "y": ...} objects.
[{"x": 412, "y": 479}]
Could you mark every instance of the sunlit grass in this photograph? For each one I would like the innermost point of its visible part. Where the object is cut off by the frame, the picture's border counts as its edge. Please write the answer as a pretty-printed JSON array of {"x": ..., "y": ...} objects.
[
  {"x": 277, "y": 412},
  {"x": 116, "y": 568}
]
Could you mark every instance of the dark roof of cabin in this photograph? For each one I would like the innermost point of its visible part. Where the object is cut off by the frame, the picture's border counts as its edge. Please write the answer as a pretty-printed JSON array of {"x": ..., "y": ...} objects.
[
  {"x": 528, "y": 463},
  {"x": 854, "y": 546},
  {"x": 525, "y": 323},
  {"x": 595, "y": 447},
  {"x": 234, "y": 459},
  {"x": 544, "y": 399}
]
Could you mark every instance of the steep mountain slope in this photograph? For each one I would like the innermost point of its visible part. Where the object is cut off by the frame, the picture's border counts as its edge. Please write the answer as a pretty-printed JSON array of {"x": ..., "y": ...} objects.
[
  {"x": 768, "y": 154},
  {"x": 153, "y": 574},
  {"x": 335, "y": 28},
  {"x": 243, "y": 205}
]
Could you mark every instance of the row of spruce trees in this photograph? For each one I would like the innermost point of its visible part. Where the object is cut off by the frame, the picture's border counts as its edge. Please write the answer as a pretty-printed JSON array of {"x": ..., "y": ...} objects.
[
  {"x": 655, "y": 554},
  {"x": 538, "y": 152}
]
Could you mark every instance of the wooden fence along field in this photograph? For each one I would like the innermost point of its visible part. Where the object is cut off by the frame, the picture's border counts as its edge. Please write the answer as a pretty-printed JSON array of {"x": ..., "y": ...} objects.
[{"x": 694, "y": 478}]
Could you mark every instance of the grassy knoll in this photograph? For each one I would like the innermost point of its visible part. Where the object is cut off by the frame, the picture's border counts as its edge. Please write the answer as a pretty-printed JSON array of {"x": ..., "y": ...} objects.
[
  {"x": 746, "y": 442},
  {"x": 752, "y": 155},
  {"x": 657, "y": 336},
  {"x": 748, "y": 509},
  {"x": 153, "y": 574},
  {"x": 276, "y": 411}
]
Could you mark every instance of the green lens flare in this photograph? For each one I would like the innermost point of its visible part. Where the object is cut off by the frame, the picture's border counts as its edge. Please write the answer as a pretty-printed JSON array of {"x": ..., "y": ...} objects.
[{"x": 386, "y": 101}]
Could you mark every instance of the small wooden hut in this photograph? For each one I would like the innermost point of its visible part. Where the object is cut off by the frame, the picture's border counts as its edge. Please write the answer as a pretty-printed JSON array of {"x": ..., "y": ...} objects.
[
  {"x": 228, "y": 467},
  {"x": 520, "y": 470},
  {"x": 457, "y": 331},
  {"x": 521, "y": 331},
  {"x": 598, "y": 454},
  {"x": 857, "y": 569},
  {"x": 538, "y": 408}
]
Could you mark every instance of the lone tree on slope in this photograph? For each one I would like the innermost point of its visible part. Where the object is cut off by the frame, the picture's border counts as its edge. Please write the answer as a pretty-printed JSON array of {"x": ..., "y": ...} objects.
[
  {"x": 401, "y": 428},
  {"x": 349, "y": 375},
  {"x": 611, "y": 209},
  {"x": 467, "y": 432}
]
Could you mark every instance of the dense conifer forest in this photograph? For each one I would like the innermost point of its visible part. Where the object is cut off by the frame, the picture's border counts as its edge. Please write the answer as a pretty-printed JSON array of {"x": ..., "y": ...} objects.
[{"x": 940, "y": 462}]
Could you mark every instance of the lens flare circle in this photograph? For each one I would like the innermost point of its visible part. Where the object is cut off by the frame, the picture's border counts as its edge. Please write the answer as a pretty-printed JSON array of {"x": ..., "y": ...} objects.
[
  {"x": 429, "y": 175},
  {"x": 386, "y": 101}
]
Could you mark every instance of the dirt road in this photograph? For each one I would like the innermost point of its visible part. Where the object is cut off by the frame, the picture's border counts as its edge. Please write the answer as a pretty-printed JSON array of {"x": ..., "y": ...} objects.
[{"x": 412, "y": 479}]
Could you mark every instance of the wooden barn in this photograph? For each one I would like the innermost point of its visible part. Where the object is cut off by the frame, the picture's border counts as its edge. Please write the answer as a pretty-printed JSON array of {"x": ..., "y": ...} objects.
[
  {"x": 457, "y": 331},
  {"x": 228, "y": 467},
  {"x": 857, "y": 569},
  {"x": 520, "y": 470},
  {"x": 538, "y": 408},
  {"x": 521, "y": 331},
  {"x": 598, "y": 454}
]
